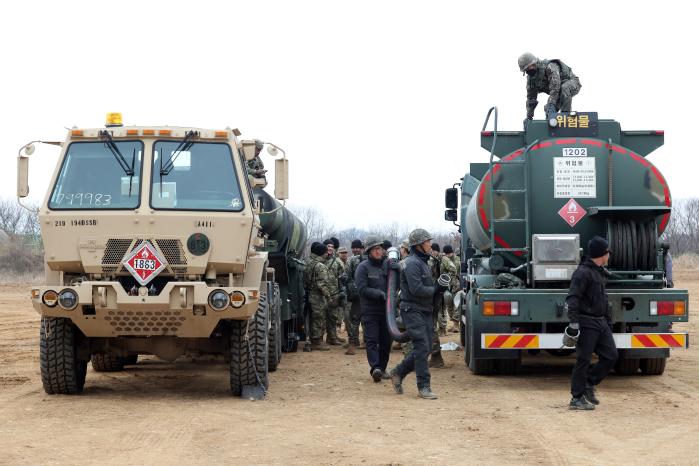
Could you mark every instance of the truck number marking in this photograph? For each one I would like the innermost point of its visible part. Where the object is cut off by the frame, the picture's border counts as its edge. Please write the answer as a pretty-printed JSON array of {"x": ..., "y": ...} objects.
[
  {"x": 84, "y": 199},
  {"x": 145, "y": 264},
  {"x": 575, "y": 152}
]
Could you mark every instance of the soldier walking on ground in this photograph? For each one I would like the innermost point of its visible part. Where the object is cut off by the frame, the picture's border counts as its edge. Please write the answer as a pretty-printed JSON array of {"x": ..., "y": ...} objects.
[
  {"x": 450, "y": 267},
  {"x": 590, "y": 328},
  {"x": 552, "y": 77},
  {"x": 353, "y": 297},
  {"x": 371, "y": 279},
  {"x": 417, "y": 290},
  {"x": 316, "y": 279}
]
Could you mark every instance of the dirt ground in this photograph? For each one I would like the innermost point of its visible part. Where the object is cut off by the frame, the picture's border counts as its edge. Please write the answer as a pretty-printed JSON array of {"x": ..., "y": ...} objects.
[{"x": 324, "y": 408}]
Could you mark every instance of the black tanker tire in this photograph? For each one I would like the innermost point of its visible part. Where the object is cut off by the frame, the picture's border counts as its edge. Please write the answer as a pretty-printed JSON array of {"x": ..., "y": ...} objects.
[
  {"x": 626, "y": 366},
  {"x": 61, "y": 371},
  {"x": 131, "y": 360},
  {"x": 249, "y": 359},
  {"x": 107, "y": 362},
  {"x": 653, "y": 366},
  {"x": 275, "y": 341},
  {"x": 477, "y": 366}
]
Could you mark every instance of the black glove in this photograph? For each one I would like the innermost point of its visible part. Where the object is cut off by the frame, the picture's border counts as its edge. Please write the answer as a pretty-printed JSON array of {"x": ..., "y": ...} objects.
[
  {"x": 526, "y": 122},
  {"x": 550, "y": 111},
  {"x": 440, "y": 288}
]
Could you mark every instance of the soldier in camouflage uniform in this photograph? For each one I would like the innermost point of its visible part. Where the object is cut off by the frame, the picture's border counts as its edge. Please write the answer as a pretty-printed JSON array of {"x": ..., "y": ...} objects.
[
  {"x": 317, "y": 282},
  {"x": 450, "y": 267},
  {"x": 337, "y": 273},
  {"x": 552, "y": 77},
  {"x": 354, "y": 315},
  {"x": 437, "y": 306}
]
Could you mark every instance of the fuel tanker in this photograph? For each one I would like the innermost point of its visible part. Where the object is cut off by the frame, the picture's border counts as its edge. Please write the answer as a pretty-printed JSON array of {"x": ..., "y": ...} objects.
[{"x": 527, "y": 215}]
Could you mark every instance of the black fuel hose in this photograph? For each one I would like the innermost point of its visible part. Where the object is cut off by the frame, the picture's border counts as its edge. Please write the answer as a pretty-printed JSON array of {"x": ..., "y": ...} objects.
[
  {"x": 391, "y": 303},
  {"x": 634, "y": 245}
]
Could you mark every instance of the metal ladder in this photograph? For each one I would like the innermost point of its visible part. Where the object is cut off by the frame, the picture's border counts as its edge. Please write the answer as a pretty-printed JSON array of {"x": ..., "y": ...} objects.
[{"x": 524, "y": 191}]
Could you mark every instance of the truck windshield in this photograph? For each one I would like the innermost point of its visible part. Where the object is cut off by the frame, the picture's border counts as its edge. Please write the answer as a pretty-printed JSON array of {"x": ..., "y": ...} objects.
[
  {"x": 92, "y": 178},
  {"x": 202, "y": 177}
]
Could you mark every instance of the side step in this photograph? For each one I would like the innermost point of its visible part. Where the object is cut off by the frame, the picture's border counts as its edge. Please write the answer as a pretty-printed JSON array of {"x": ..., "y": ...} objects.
[{"x": 495, "y": 341}]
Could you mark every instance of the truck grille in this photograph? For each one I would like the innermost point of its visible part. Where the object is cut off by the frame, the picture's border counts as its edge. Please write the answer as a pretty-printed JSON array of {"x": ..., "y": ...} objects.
[
  {"x": 145, "y": 322},
  {"x": 117, "y": 248}
]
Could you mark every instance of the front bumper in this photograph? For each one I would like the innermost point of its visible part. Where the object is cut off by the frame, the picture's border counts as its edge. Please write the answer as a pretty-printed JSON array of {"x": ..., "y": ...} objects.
[{"x": 181, "y": 309}]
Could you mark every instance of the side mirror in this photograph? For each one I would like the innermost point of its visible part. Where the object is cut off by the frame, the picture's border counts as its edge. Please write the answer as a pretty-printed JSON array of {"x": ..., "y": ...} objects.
[
  {"x": 281, "y": 179},
  {"x": 23, "y": 175},
  {"x": 450, "y": 215},
  {"x": 451, "y": 198}
]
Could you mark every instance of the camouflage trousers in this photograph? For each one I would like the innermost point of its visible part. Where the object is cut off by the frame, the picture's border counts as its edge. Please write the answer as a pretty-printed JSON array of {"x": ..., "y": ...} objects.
[
  {"x": 568, "y": 90},
  {"x": 318, "y": 310},
  {"x": 331, "y": 314},
  {"x": 353, "y": 317}
]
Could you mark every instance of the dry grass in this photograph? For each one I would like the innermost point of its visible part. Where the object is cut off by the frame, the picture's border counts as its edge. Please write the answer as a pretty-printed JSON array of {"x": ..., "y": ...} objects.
[
  {"x": 33, "y": 278},
  {"x": 686, "y": 262}
]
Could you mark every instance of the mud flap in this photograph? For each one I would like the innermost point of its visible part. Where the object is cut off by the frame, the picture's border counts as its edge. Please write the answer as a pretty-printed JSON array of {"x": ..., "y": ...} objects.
[{"x": 253, "y": 392}]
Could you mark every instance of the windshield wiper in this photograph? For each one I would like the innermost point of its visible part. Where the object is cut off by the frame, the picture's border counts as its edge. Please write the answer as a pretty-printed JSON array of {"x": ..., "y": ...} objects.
[
  {"x": 109, "y": 142},
  {"x": 183, "y": 146}
]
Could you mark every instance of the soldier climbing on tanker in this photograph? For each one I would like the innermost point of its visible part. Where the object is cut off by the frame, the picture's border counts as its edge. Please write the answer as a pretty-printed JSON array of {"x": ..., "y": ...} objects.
[{"x": 552, "y": 77}]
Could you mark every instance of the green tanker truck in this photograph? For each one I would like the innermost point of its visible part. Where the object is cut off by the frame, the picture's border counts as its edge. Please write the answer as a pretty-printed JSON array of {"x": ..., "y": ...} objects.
[{"x": 526, "y": 216}]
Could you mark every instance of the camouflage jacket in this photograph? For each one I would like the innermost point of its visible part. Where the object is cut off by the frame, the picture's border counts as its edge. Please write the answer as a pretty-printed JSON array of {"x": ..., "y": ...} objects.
[
  {"x": 448, "y": 266},
  {"x": 549, "y": 76},
  {"x": 316, "y": 279},
  {"x": 352, "y": 264},
  {"x": 337, "y": 274}
]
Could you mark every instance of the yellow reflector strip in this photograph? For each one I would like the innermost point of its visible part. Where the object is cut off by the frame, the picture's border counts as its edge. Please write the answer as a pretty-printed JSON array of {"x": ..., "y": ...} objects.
[
  {"x": 653, "y": 340},
  {"x": 512, "y": 341},
  {"x": 76, "y": 132}
]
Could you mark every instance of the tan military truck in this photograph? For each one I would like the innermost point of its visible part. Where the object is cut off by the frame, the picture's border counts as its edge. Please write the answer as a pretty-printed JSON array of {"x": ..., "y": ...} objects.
[{"x": 153, "y": 245}]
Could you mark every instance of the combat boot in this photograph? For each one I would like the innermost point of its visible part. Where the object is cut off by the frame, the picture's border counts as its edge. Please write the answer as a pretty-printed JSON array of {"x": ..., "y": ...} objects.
[
  {"x": 397, "y": 381},
  {"x": 590, "y": 395},
  {"x": 426, "y": 393},
  {"x": 333, "y": 341},
  {"x": 317, "y": 344},
  {"x": 436, "y": 360},
  {"x": 351, "y": 350},
  {"x": 580, "y": 403}
]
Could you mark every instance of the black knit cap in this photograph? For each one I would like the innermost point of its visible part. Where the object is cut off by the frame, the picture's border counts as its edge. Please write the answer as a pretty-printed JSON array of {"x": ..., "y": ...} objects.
[
  {"x": 448, "y": 249},
  {"x": 319, "y": 248},
  {"x": 386, "y": 244},
  {"x": 435, "y": 247},
  {"x": 597, "y": 247},
  {"x": 336, "y": 242},
  {"x": 357, "y": 243},
  {"x": 328, "y": 241}
]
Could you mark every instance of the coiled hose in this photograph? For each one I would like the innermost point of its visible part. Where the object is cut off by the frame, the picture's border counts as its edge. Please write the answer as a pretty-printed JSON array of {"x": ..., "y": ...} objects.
[
  {"x": 392, "y": 301},
  {"x": 634, "y": 245}
]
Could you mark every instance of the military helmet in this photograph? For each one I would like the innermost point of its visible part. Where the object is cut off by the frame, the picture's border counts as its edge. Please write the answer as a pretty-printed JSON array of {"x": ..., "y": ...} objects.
[
  {"x": 525, "y": 60},
  {"x": 418, "y": 236},
  {"x": 404, "y": 244},
  {"x": 372, "y": 242}
]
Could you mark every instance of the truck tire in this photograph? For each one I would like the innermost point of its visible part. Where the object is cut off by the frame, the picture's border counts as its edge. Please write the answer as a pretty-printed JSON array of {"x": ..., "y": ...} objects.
[
  {"x": 61, "y": 370},
  {"x": 626, "y": 366},
  {"x": 275, "y": 337},
  {"x": 249, "y": 349},
  {"x": 131, "y": 360},
  {"x": 653, "y": 366},
  {"x": 107, "y": 362},
  {"x": 477, "y": 366}
]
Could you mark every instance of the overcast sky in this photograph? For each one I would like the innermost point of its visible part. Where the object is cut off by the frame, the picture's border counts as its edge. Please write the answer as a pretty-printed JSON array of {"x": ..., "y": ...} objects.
[{"x": 378, "y": 104}]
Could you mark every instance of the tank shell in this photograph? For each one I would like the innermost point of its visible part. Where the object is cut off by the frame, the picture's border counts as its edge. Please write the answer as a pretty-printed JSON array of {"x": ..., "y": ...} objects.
[{"x": 634, "y": 182}]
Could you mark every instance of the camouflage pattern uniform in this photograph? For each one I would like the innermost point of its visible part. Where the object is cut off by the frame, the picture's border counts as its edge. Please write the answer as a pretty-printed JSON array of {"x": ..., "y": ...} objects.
[
  {"x": 336, "y": 271},
  {"x": 354, "y": 315},
  {"x": 449, "y": 267},
  {"x": 318, "y": 283},
  {"x": 556, "y": 79}
]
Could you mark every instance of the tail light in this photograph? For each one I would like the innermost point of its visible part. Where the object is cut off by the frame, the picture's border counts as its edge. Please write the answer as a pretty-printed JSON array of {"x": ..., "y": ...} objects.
[
  {"x": 667, "y": 308},
  {"x": 500, "y": 308}
]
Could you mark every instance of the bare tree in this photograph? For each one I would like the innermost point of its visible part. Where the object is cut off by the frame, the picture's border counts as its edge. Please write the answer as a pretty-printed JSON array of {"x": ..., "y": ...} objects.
[
  {"x": 317, "y": 226},
  {"x": 683, "y": 231}
]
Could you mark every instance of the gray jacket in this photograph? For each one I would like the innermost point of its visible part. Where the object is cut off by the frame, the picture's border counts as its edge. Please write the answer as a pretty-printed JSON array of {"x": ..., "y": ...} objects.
[{"x": 417, "y": 286}]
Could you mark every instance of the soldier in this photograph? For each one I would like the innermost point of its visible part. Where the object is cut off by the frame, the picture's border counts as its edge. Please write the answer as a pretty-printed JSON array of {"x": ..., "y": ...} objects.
[
  {"x": 386, "y": 245},
  {"x": 353, "y": 298},
  {"x": 316, "y": 280},
  {"x": 371, "y": 279},
  {"x": 552, "y": 77},
  {"x": 342, "y": 253},
  {"x": 337, "y": 272},
  {"x": 449, "y": 266},
  {"x": 433, "y": 263},
  {"x": 416, "y": 306},
  {"x": 404, "y": 249}
]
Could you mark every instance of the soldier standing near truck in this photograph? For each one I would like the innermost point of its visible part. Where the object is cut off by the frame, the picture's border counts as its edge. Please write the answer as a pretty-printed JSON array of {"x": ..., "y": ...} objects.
[
  {"x": 353, "y": 297},
  {"x": 318, "y": 288},
  {"x": 590, "y": 325},
  {"x": 332, "y": 316}
]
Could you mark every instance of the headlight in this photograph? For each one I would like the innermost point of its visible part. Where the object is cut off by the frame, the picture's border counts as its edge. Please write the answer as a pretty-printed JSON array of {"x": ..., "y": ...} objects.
[
  {"x": 50, "y": 298},
  {"x": 237, "y": 299},
  {"x": 68, "y": 299},
  {"x": 219, "y": 300}
]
